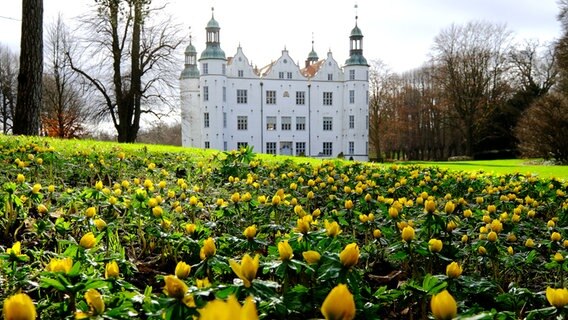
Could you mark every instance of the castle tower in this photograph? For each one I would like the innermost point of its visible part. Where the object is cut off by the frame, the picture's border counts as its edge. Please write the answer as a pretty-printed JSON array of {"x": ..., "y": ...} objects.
[
  {"x": 213, "y": 84},
  {"x": 189, "y": 91},
  {"x": 356, "y": 98}
]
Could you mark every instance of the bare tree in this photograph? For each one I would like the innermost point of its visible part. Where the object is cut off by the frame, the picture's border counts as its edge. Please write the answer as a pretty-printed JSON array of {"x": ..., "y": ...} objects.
[
  {"x": 381, "y": 89},
  {"x": 28, "y": 105},
  {"x": 135, "y": 65},
  {"x": 471, "y": 59},
  {"x": 64, "y": 110},
  {"x": 8, "y": 87}
]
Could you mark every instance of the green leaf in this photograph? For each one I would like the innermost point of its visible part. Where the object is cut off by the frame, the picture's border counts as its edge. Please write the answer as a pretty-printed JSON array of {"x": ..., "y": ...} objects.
[{"x": 52, "y": 283}]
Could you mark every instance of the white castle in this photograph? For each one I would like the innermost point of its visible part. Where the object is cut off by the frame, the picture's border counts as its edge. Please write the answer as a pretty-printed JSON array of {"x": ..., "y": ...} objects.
[{"x": 321, "y": 110}]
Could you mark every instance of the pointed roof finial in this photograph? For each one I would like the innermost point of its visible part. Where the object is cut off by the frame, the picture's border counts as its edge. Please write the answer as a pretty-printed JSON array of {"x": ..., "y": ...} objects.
[
  {"x": 212, "y": 12},
  {"x": 356, "y": 13},
  {"x": 190, "y": 36}
]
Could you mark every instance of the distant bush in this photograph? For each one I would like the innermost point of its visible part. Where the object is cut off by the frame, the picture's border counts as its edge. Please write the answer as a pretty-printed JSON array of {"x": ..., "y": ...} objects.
[
  {"x": 543, "y": 128},
  {"x": 161, "y": 133}
]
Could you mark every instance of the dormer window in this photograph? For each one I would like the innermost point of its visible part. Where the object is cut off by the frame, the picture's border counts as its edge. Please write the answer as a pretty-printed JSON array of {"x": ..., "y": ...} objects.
[
  {"x": 240, "y": 73},
  {"x": 330, "y": 76}
]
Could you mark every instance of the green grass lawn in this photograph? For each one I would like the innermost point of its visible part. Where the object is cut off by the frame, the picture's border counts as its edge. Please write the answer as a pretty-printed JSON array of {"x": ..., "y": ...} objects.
[
  {"x": 523, "y": 166},
  {"x": 501, "y": 167}
]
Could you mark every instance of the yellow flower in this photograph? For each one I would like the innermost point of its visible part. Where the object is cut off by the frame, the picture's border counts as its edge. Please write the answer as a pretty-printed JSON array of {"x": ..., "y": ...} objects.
[
  {"x": 208, "y": 249},
  {"x": 435, "y": 245},
  {"x": 190, "y": 228},
  {"x": 19, "y": 307},
  {"x": 510, "y": 250},
  {"x": 202, "y": 283},
  {"x": 529, "y": 243},
  {"x": 557, "y": 297},
  {"x": 408, "y": 233},
  {"x": 100, "y": 224},
  {"x": 90, "y": 212},
  {"x": 449, "y": 207},
  {"x": 558, "y": 257},
  {"x": 16, "y": 249},
  {"x": 250, "y": 232},
  {"x": 377, "y": 233},
  {"x": 393, "y": 212},
  {"x": 182, "y": 270},
  {"x": 555, "y": 236},
  {"x": 453, "y": 270},
  {"x": 311, "y": 256},
  {"x": 481, "y": 250},
  {"x": 88, "y": 240},
  {"x": 36, "y": 188},
  {"x": 443, "y": 306},
  {"x": 111, "y": 270},
  {"x": 467, "y": 213},
  {"x": 348, "y": 204},
  {"x": 99, "y": 185},
  {"x": 350, "y": 255},
  {"x": 339, "y": 304},
  {"x": 276, "y": 200},
  {"x": 60, "y": 265},
  {"x": 157, "y": 211},
  {"x": 285, "y": 250},
  {"x": 430, "y": 206},
  {"x": 175, "y": 287},
  {"x": 193, "y": 200},
  {"x": 229, "y": 310},
  {"x": 236, "y": 197},
  {"x": 95, "y": 301},
  {"x": 492, "y": 236},
  {"x": 20, "y": 178},
  {"x": 303, "y": 224},
  {"x": 246, "y": 271},
  {"x": 332, "y": 228},
  {"x": 496, "y": 225}
]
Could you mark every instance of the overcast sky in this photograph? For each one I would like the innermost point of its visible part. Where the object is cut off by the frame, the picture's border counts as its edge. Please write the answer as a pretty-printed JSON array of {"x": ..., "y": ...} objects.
[{"x": 399, "y": 32}]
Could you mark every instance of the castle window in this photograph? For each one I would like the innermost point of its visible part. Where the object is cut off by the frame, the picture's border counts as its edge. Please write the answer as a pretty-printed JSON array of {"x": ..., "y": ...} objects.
[
  {"x": 327, "y": 148},
  {"x": 207, "y": 145},
  {"x": 289, "y": 75},
  {"x": 367, "y": 122},
  {"x": 280, "y": 75},
  {"x": 224, "y": 94},
  {"x": 300, "y": 148},
  {"x": 351, "y": 96},
  {"x": 300, "y": 123},
  {"x": 328, "y": 98},
  {"x": 205, "y": 93},
  {"x": 223, "y": 69},
  {"x": 270, "y": 97},
  {"x": 351, "y": 147},
  {"x": 224, "y": 119},
  {"x": 270, "y": 123},
  {"x": 351, "y": 74},
  {"x": 351, "y": 122},
  {"x": 225, "y": 145},
  {"x": 300, "y": 97},
  {"x": 241, "y": 145},
  {"x": 240, "y": 73},
  {"x": 206, "y": 120},
  {"x": 327, "y": 123},
  {"x": 286, "y": 123},
  {"x": 241, "y": 96},
  {"x": 205, "y": 68},
  {"x": 242, "y": 123},
  {"x": 330, "y": 76},
  {"x": 271, "y": 147}
]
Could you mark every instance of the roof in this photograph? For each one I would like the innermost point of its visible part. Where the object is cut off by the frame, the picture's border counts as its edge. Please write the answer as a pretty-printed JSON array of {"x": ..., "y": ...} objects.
[
  {"x": 312, "y": 69},
  {"x": 356, "y": 32},
  {"x": 266, "y": 69},
  {"x": 213, "y": 24},
  {"x": 356, "y": 60}
]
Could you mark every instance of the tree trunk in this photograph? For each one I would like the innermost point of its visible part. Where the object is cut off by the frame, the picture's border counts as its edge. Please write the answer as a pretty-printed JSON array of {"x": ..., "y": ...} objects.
[{"x": 28, "y": 104}]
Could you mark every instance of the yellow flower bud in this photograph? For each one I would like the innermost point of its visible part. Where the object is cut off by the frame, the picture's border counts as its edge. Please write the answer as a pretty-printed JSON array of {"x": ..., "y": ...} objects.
[
  {"x": 182, "y": 270},
  {"x": 558, "y": 257},
  {"x": 408, "y": 234},
  {"x": 449, "y": 207},
  {"x": 430, "y": 206},
  {"x": 339, "y": 304},
  {"x": 350, "y": 255},
  {"x": 250, "y": 232},
  {"x": 175, "y": 287},
  {"x": 443, "y": 306},
  {"x": 111, "y": 270},
  {"x": 435, "y": 245},
  {"x": 88, "y": 241},
  {"x": 332, "y": 229},
  {"x": 285, "y": 250},
  {"x": 19, "y": 306},
  {"x": 557, "y": 297},
  {"x": 377, "y": 233},
  {"x": 208, "y": 249},
  {"x": 555, "y": 236},
  {"x": 348, "y": 204},
  {"x": 311, "y": 257},
  {"x": 492, "y": 236},
  {"x": 453, "y": 270}
]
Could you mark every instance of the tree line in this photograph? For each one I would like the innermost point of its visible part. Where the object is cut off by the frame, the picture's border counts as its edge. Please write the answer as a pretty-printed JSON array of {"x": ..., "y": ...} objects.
[
  {"x": 119, "y": 65},
  {"x": 475, "y": 97}
]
